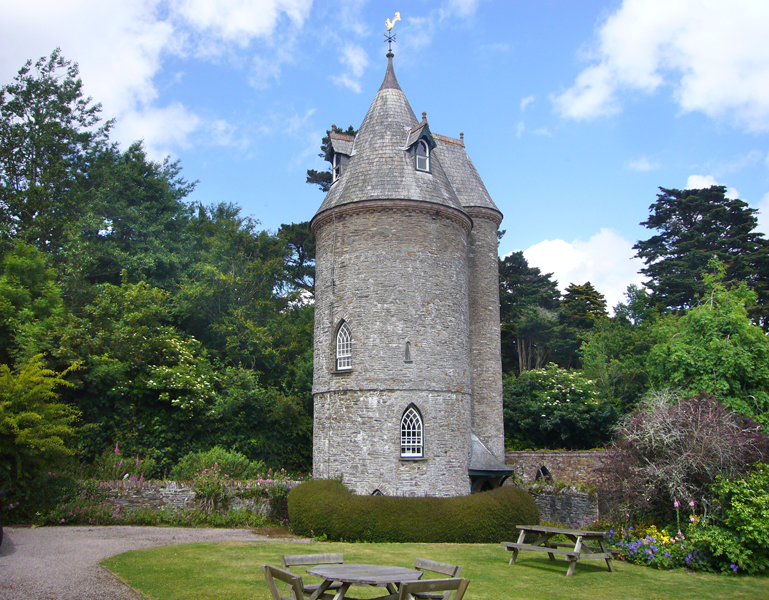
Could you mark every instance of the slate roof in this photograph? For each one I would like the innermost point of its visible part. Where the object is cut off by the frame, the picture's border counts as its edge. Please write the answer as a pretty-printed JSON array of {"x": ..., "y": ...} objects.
[
  {"x": 482, "y": 460},
  {"x": 461, "y": 172},
  {"x": 380, "y": 167},
  {"x": 340, "y": 143}
]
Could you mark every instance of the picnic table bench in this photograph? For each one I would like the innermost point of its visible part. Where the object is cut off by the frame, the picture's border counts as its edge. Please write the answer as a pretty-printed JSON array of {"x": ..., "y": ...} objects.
[{"x": 578, "y": 549}]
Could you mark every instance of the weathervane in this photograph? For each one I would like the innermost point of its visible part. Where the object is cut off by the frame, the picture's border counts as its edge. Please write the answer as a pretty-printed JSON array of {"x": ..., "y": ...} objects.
[{"x": 390, "y": 37}]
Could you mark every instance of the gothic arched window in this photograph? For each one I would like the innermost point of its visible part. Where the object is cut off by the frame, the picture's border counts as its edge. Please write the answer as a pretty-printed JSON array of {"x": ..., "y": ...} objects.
[
  {"x": 422, "y": 156},
  {"x": 343, "y": 348},
  {"x": 412, "y": 444}
]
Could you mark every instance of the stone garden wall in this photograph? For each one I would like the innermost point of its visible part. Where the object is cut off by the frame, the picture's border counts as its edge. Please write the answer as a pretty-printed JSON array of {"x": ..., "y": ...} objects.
[
  {"x": 572, "y": 467},
  {"x": 174, "y": 494}
]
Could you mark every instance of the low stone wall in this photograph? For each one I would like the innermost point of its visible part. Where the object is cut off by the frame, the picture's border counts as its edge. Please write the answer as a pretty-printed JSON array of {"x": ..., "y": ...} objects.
[
  {"x": 572, "y": 467},
  {"x": 568, "y": 506},
  {"x": 174, "y": 494}
]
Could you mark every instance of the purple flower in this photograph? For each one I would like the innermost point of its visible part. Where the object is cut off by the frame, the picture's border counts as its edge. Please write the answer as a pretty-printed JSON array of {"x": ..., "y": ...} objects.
[{"x": 734, "y": 567}]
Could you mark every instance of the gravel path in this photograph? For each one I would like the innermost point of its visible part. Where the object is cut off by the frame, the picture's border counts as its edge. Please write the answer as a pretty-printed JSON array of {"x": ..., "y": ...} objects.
[{"x": 57, "y": 563}]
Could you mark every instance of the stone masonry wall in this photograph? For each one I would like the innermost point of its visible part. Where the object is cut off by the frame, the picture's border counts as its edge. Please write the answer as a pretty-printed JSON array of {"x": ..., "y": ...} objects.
[
  {"x": 395, "y": 276},
  {"x": 573, "y": 467},
  {"x": 485, "y": 335},
  {"x": 174, "y": 494}
]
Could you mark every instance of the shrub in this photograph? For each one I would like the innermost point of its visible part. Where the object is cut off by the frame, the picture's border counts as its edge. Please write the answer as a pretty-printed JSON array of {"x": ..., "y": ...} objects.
[
  {"x": 555, "y": 408},
  {"x": 231, "y": 462},
  {"x": 112, "y": 465},
  {"x": 737, "y": 535},
  {"x": 670, "y": 450},
  {"x": 326, "y": 508}
]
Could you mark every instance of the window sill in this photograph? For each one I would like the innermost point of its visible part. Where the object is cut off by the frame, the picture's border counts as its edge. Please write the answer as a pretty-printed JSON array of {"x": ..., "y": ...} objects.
[
  {"x": 342, "y": 372},
  {"x": 412, "y": 458}
]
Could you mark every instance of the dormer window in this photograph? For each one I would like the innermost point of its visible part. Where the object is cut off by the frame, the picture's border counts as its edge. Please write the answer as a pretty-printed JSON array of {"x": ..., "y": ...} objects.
[
  {"x": 422, "y": 156},
  {"x": 340, "y": 161}
]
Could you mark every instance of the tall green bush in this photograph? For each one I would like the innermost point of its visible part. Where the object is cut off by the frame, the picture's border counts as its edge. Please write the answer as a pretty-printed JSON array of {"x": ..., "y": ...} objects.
[
  {"x": 327, "y": 508},
  {"x": 231, "y": 462}
]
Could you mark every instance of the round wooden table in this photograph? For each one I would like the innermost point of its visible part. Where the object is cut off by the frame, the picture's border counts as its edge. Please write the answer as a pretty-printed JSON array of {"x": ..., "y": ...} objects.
[{"x": 350, "y": 574}]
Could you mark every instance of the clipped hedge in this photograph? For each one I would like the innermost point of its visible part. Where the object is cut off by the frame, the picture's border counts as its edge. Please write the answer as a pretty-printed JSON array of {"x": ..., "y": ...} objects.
[{"x": 327, "y": 508}]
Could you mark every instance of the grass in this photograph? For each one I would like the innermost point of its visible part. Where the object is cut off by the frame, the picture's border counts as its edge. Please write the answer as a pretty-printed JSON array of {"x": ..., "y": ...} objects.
[{"x": 232, "y": 570}]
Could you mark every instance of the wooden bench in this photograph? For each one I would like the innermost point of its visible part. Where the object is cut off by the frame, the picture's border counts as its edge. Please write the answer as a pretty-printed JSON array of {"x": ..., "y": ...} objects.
[{"x": 578, "y": 549}]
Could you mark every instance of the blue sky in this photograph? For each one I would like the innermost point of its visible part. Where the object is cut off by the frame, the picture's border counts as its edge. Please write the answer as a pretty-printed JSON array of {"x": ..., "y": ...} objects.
[{"x": 574, "y": 113}]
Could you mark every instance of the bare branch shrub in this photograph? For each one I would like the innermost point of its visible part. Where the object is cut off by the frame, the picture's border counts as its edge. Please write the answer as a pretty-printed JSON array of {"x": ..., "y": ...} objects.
[{"x": 671, "y": 449}]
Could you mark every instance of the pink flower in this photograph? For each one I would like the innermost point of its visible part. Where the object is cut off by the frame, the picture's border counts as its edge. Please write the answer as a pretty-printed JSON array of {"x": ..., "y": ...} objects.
[
  {"x": 691, "y": 503},
  {"x": 137, "y": 461},
  {"x": 117, "y": 449},
  {"x": 675, "y": 503}
]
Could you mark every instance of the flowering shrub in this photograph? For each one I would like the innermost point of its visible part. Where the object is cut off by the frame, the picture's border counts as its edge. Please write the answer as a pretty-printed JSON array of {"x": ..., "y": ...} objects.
[
  {"x": 112, "y": 465},
  {"x": 212, "y": 487},
  {"x": 656, "y": 548}
]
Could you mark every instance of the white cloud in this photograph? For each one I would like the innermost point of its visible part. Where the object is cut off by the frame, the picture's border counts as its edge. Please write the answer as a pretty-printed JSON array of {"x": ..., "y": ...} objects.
[
  {"x": 355, "y": 59},
  {"x": 520, "y": 129},
  {"x": 606, "y": 260},
  {"x": 461, "y": 8},
  {"x": 526, "y": 101},
  {"x": 698, "y": 182},
  {"x": 642, "y": 165},
  {"x": 121, "y": 48},
  {"x": 713, "y": 55},
  {"x": 544, "y": 131},
  {"x": 763, "y": 215},
  {"x": 237, "y": 21}
]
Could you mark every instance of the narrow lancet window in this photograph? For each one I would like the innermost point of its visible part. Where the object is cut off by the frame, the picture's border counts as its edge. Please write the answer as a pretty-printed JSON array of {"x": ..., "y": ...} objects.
[
  {"x": 343, "y": 348},
  {"x": 422, "y": 156},
  {"x": 411, "y": 434},
  {"x": 408, "y": 352}
]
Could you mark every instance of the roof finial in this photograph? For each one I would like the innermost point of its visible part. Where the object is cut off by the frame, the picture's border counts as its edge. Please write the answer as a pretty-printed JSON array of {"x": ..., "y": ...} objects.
[
  {"x": 424, "y": 116},
  {"x": 461, "y": 137},
  {"x": 390, "y": 37}
]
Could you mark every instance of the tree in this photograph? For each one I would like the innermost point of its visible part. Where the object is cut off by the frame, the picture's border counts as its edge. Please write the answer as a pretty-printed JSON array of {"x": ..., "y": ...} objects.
[
  {"x": 300, "y": 264},
  {"x": 555, "y": 408},
  {"x": 692, "y": 227},
  {"x": 581, "y": 308},
  {"x": 528, "y": 313},
  {"x": 30, "y": 304},
  {"x": 323, "y": 179},
  {"x": 615, "y": 351},
  {"x": 714, "y": 348},
  {"x": 36, "y": 429},
  {"x": 49, "y": 136}
]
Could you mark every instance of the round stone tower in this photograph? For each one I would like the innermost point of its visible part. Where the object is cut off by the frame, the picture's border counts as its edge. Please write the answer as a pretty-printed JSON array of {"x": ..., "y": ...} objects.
[{"x": 396, "y": 346}]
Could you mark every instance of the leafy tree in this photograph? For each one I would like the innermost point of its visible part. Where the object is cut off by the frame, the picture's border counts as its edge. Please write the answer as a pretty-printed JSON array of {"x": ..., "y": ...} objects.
[
  {"x": 714, "y": 348},
  {"x": 36, "y": 429},
  {"x": 554, "y": 408},
  {"x": 49, "y": 137},
  {"x": 300, "y": 264},
  {"x": 136, "y": 225},
  {"x": 581, "y": 308},
  {"x": 528, "y": 314},
  {"x": 615, "y": 352},
  {"x": 692, "y": 227},
  {"x": 323, "y": 179},
  {"x": 30, "y": 303}
]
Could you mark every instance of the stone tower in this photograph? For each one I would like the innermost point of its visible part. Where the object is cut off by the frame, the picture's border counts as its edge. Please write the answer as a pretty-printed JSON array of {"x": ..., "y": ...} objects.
[{"x": 407, "y": 379}]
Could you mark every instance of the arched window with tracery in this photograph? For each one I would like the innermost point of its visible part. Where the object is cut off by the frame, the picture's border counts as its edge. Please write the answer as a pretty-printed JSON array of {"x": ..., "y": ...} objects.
[
  {"x": 412, "y": 441},
  {"x": 343, "y": 348}
]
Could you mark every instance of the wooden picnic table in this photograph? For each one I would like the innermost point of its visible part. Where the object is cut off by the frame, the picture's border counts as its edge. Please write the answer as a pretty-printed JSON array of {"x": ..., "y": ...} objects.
[
  {"x": 578, "y": 549},
  {"x": 372, "y": 575}
]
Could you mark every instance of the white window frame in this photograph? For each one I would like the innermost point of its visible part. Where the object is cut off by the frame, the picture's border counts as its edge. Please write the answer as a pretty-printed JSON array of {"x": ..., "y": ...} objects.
[
  {"x": 343, "y": 347},
  {"x": 412, "y": 434},
  {"x": 425, "y": 159}
]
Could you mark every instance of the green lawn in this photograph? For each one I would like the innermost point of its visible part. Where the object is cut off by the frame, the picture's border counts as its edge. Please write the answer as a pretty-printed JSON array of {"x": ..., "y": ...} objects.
[{"x": 232, "y": 571}]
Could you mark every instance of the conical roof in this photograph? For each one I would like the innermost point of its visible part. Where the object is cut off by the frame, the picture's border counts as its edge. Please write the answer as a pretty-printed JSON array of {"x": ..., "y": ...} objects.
[
  {"x": 381, "y": 167},
  {"x": 462, "y": 174}
]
